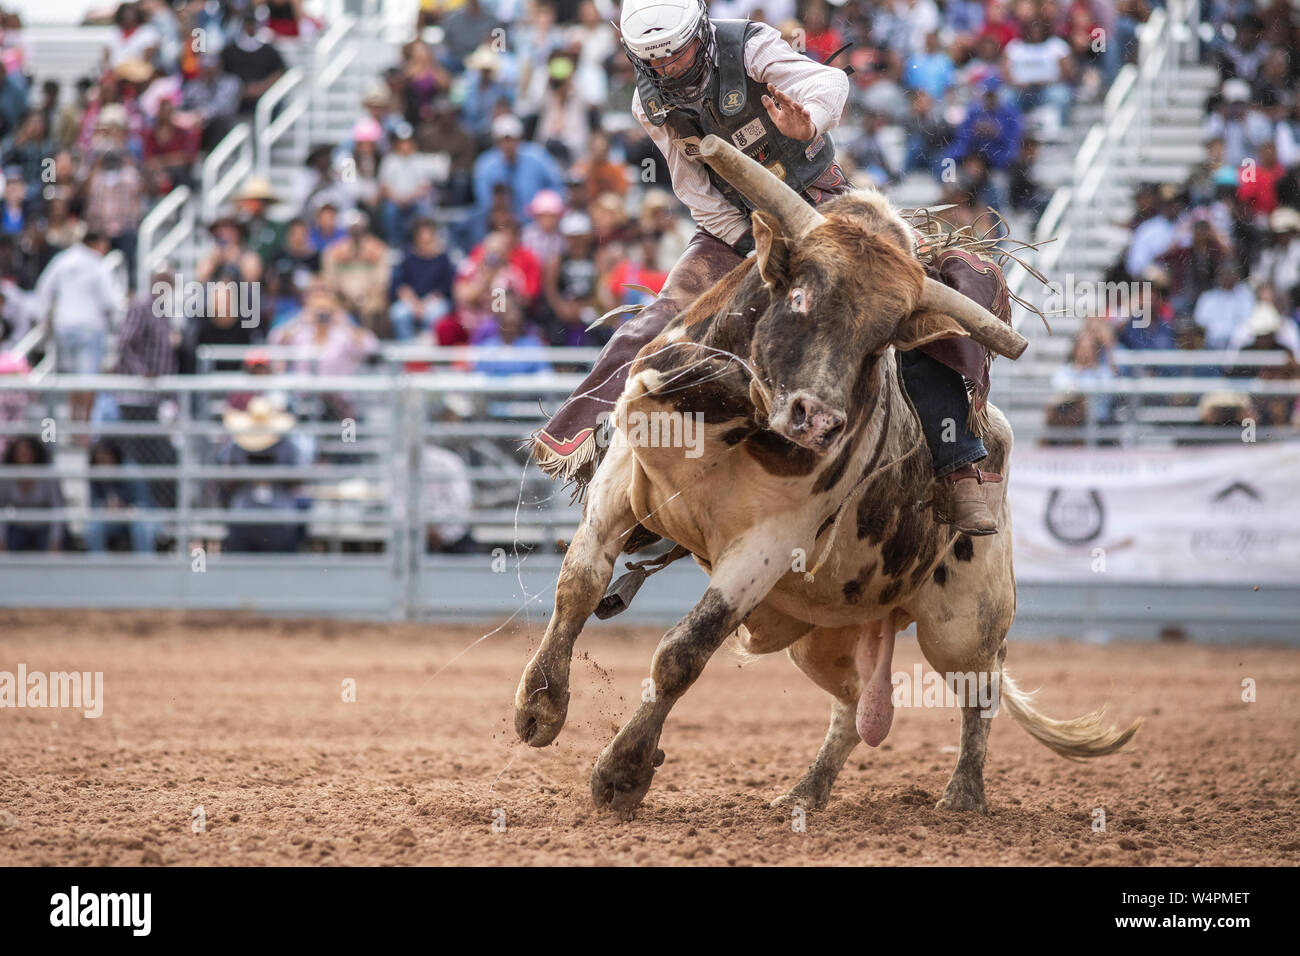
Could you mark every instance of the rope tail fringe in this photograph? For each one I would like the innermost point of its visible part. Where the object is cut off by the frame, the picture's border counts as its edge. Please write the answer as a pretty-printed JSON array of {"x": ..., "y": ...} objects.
[
  {"x": 574, "y": 469},
  {"x": 940, "y": 236}
]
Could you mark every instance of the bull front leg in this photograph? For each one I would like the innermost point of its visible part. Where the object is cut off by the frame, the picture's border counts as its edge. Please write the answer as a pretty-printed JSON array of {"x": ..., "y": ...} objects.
[
  {"x": 741, "y": 578},
  {"x": 542, "y": 699}
]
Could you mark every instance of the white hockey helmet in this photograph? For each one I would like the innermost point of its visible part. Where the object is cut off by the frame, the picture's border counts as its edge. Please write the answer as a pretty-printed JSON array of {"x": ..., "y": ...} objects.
[{"x": 663, "y": 30}]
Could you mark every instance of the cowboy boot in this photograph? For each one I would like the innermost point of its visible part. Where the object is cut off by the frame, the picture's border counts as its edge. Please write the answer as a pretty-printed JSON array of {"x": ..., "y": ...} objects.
[{"x": 959, "y": 500}]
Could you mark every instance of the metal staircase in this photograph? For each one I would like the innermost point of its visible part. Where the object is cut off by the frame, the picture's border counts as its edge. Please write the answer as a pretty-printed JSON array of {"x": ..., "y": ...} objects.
[
  {"x": 316, "y": 101},
  {"x": 1148, "y": 129}
]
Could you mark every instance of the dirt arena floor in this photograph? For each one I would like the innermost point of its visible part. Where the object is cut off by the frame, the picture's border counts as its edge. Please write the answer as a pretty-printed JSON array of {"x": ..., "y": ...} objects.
[{"x": 246, "y": 719}]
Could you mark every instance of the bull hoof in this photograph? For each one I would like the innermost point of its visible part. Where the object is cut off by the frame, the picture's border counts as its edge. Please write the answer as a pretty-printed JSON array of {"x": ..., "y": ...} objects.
[
  {"x": 540, "y": 713},
  {"x": 963, "y": 801},
  {"x": 805, "y": 796},
  {"x": 619, "y": 782}
]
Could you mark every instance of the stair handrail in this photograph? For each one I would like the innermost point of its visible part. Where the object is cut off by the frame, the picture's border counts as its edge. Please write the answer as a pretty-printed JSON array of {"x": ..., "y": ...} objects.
[
  {"x": 270, "y": 125},
  {"x": 153, "y": 249},
  {"x": 228, "y": 165},
  {"x": 335, "y": 51}
]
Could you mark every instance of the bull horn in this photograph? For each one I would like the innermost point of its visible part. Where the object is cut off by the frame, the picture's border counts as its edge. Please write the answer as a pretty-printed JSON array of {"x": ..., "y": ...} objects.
[
  {"x": 761, "y": 187},
  {"x": 984, "y": 327}
]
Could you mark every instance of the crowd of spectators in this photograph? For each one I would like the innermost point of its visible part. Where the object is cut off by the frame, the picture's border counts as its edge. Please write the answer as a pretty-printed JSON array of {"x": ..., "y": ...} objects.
[
  {"x": 1215, "y": 260},
  {"x": 494, "y": 189},
  {"x": 499, "y": 153}
]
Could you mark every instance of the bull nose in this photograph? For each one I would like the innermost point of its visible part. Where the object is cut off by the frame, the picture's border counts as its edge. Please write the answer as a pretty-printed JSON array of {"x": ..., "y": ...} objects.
[{"x": 813, "y": 423}]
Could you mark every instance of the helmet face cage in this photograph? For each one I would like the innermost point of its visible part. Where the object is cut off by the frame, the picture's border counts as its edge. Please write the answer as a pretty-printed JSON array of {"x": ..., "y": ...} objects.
[{"x": 688, "y": 85}]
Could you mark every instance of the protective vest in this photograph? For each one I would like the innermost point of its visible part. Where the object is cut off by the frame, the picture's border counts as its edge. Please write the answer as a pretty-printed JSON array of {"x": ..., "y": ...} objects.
[{"x": 732, "y": 109}]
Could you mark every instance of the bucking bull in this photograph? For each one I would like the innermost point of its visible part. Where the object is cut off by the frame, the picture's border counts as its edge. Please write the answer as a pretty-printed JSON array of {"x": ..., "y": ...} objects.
[{"x": 811, "y": 447}]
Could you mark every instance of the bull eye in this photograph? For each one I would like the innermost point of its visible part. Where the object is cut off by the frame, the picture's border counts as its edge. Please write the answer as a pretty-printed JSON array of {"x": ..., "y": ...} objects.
[{"x": 799, "y": 301}]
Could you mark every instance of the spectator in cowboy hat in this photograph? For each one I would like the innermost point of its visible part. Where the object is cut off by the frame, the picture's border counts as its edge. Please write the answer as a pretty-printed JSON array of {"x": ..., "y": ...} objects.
[
  {"x": 486, "y": 87},
  {"x": 1279, "y": 264},
  {"x": 229, "y": 253},
  {"x": 443, "y": 132},
  {"x": 1267, "y": 329},
  {"x": 252, "y": 201},
  {"x": 259, "y": 435},
  {"x": 1225, "y": 408},
  {"x": 659, "y": 216},
  {"x": 115, "y": 185}
]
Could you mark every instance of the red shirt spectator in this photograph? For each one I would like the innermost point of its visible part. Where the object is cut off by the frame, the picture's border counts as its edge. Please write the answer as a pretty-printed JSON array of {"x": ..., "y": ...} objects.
[
  {"x": 999, "y": 24},
  {"x": 523, "y": 259},
  {"x": 628, "y": 272},
  {"x": 1258, "y": 189},
  {"x": 449, "y": 331}
]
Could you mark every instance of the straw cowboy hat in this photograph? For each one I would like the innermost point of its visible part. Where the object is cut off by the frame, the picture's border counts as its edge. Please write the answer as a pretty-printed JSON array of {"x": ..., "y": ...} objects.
[
  {"x": 257, "y": 187},
  {"x": 134, "y": 71},
  {"x": 260, "y": 426}
]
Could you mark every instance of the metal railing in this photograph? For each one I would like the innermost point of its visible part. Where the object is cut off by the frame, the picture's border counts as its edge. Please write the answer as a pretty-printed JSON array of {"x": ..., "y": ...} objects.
[
  {"x": 1109, "y": 157},
  {"x": 166, "y": 231},
  {"x": 393, "y": 357},
  {"x": 224, "y": 169},
  {"x": 365, "y": 496},
  {"x": 335, "y": 51},
  {"x": 362, "y": 432},
  {"x": 278, "y": 116}
]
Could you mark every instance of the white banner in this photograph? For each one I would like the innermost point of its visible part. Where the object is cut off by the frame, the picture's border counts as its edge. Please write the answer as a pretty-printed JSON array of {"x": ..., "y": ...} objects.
[{"x": 1212, "y": 514}]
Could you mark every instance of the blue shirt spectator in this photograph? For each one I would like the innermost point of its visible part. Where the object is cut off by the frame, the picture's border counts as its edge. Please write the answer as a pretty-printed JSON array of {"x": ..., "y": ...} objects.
[
  {"x": 991, "y": 128},
  {"x": 931, "y": 70},
  {"x": 526, "y": 168},
  {"x": 510, "y": 333}
]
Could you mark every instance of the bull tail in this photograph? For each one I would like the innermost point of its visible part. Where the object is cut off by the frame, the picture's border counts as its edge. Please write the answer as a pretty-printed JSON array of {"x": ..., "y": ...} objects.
[{"x": 1077, "y": 739}]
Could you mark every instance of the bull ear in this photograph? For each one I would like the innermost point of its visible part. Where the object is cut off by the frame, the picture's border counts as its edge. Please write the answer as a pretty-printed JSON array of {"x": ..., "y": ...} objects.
[
  {"x": 924, "y": 326},
  {"x": 771, "y": 250}
]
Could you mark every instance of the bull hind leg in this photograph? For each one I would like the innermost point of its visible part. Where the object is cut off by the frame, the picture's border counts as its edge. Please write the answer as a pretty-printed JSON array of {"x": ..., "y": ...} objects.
[
  {"x": 963, "y": 639},
  {"x": 542, "y": 698},
  {"x": 826, "y": 656}
]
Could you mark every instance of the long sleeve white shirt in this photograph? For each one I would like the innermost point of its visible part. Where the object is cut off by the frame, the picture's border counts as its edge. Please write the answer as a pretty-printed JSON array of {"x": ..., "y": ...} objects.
[
  {"x": 822, "y": 90},
  {"x": 77, "y": 286},
  {"x": 1221, "y": 312}
]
